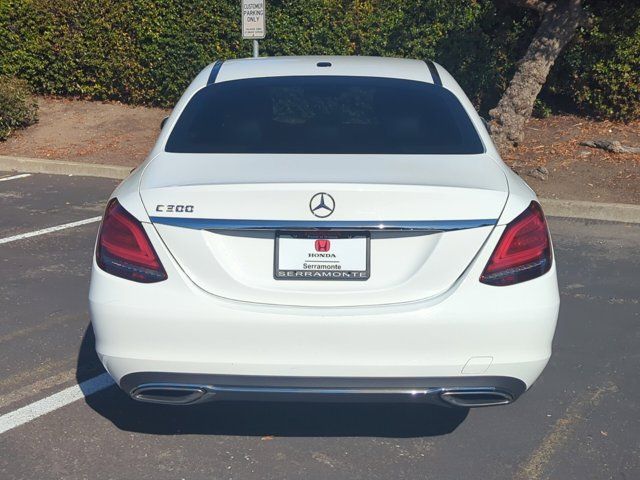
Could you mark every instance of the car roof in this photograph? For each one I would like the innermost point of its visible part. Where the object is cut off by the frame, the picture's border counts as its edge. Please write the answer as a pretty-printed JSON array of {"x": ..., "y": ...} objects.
[{"x": 400, "y": 68}]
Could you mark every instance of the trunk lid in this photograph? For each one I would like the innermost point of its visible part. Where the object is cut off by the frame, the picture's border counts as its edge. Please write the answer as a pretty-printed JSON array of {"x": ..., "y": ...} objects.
[{"x": 183, "y": 193}]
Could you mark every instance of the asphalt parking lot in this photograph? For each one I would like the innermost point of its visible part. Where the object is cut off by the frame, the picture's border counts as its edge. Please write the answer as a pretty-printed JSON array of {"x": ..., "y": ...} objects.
[{"x": 581, "y": 420}]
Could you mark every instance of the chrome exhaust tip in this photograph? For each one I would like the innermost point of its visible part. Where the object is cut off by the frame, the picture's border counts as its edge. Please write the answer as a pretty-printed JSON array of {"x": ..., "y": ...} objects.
[
  {"x": 168, "y": 394},
  {"x": 476, "y": 397}
]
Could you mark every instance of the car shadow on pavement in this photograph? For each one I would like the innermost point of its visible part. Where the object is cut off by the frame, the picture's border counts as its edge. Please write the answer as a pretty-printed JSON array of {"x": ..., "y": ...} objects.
[{"x": 281, "y": 419}]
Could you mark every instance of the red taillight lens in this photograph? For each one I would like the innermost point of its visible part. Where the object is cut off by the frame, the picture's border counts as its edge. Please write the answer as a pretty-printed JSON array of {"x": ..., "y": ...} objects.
[
  {"x": 523, "y": 252},
  {"x": 124, "y": 249}
]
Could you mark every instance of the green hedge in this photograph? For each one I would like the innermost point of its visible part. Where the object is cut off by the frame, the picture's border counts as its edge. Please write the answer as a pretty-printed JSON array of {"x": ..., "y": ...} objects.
[
  {"x": 17, "y": 107},
  {"x": 600, "y": 72},
  {"x": 147, "y": 51}
]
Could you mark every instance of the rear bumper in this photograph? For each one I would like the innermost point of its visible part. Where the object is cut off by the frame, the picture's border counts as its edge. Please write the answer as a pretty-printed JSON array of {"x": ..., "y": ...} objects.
[
  {"x": 182, "y": 389},
  {"x": 472, "y": 331}
]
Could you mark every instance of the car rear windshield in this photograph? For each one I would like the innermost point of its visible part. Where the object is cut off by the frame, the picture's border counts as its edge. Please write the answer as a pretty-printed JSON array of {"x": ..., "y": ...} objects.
[{"x": 324, "y": 115}]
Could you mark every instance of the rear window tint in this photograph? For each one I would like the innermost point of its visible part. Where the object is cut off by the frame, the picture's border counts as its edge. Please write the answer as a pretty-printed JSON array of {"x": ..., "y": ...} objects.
[{"x": 324, "y": 115}]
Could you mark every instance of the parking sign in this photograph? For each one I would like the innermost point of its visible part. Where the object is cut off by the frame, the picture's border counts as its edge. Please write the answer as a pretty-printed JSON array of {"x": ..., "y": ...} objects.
[{"x": 253, "y": 19}]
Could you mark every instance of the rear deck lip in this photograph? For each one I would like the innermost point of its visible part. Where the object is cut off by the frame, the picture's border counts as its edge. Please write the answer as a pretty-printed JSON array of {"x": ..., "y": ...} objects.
[{"x": 214, "y": 224}]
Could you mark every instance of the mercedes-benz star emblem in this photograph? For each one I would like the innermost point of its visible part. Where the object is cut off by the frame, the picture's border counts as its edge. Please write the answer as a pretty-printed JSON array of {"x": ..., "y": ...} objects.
[{"x": 322, "y": 205}]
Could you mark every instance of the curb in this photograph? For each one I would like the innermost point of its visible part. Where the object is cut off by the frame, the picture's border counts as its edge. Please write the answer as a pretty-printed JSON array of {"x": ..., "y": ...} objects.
[
  {"x": 61, "y": 167},
  {"x": 612, "y": 212}
]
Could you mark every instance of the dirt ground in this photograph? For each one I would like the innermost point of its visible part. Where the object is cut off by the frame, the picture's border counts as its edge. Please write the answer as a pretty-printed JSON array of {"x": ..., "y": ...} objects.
[
  {"x": 575, "y": 171},
  {"x": 84, "y": 131},
  {"x": 123, "y": 135}
]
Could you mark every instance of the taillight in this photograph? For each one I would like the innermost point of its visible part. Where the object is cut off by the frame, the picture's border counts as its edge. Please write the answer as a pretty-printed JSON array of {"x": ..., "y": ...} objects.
[
  {"x": 523, "y": 252},
  {"x": 124, "y": 248}
]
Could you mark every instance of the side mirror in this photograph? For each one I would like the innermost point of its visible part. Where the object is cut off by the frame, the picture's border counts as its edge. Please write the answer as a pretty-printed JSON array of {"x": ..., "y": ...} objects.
[{"x": 164, "y": 120}]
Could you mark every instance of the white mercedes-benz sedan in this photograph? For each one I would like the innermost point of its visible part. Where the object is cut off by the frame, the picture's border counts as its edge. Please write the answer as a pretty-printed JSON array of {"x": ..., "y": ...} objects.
[{"x": 324, "y": 228}]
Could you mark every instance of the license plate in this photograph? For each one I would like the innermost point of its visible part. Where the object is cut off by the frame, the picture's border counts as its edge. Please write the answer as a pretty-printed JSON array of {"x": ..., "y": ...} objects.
[{"x": 321, "y": 256}]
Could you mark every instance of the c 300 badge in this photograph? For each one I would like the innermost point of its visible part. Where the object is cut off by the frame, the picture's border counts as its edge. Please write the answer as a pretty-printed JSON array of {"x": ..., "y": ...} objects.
[{"x": 175, "y": 208}]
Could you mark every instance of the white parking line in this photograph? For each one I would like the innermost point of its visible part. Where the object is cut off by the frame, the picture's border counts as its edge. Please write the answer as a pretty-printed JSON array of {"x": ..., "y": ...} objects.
[
  {"x": 41, "y": 385},
  {"x": 53, "y": 402},
  {"x": 15, "y": 177},
  {"x": 49, "y": 230}
]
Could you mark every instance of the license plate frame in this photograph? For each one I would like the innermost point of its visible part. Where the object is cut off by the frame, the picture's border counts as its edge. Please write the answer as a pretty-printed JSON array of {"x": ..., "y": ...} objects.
[{"x": 319, "y": 274}]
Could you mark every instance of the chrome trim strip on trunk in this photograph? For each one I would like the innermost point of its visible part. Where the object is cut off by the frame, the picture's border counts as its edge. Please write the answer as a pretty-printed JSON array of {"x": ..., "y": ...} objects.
[{"x": 367, "y": 225}]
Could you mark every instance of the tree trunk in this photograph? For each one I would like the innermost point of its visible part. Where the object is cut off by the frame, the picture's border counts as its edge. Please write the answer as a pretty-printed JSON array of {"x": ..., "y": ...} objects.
[{"x": 557, "y": 27}]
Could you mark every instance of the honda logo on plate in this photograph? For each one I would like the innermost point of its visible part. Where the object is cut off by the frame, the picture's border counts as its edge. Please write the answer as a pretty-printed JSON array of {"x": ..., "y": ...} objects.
[{"x": 323, "y": 245}]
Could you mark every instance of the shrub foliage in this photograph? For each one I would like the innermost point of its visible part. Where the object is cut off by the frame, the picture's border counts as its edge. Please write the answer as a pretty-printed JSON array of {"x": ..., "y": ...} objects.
[
  {"x": 146, "y": 51},
  {"x": 601, "y": 71},
  {"x": 17, "y": 107}
]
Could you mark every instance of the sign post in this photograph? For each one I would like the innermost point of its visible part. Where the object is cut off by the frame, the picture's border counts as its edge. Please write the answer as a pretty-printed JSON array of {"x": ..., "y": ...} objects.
[{"x": 253, "y": 22}]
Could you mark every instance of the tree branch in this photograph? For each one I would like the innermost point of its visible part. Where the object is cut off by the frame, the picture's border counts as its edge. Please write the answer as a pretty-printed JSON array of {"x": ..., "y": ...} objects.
[{"x": 557, "y": 27}]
